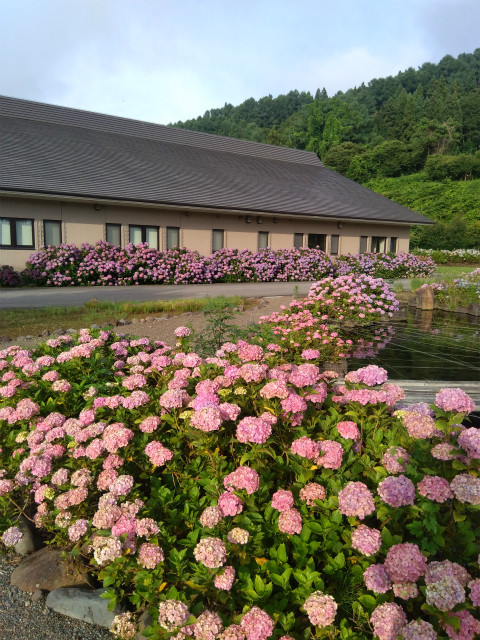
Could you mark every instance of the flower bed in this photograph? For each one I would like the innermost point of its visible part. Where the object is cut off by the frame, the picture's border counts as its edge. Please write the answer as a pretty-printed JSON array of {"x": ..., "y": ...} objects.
[
  {"x": 461, "y": 293},
  {"x": 244, "y": 496},
  {"x": 105, "y": 265},
  {"x": 444, "y": 256}
]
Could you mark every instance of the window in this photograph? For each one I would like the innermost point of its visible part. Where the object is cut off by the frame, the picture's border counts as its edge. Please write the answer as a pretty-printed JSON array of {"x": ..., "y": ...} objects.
[
  {"x": 218, "y": 239},
  {"x": 263, "y": 239},
  {"x": 173, "y": 237},
  {"x": 298, "y": 240},
  {"x": 16, "y": 232},
  {"x": 393, "y": 245},
  {"x": 378, "y": 244},
  {"x": 114, "y": 234},
  {"x": 142, "y": 233},
  {"x": 334, "y": 245},
  {"x": 52, "y": 233},
  {"x": 317, "y": 240},
  {"x": 363, "y": 244}
]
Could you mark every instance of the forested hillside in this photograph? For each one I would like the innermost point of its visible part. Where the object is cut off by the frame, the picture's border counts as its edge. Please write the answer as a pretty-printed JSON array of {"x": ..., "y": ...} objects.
[{"x": 421, "y": 127}]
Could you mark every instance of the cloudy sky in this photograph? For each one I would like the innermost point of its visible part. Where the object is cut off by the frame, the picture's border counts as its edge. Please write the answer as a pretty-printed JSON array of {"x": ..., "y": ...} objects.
[{"x": 169, "y": 60}]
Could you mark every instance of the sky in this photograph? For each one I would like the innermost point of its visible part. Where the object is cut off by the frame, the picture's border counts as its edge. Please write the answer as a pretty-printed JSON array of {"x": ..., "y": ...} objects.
[{"x": 169, "y": 60}]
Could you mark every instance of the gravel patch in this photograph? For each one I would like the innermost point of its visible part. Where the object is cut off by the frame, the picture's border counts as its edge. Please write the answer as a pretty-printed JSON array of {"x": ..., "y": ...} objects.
[{"x": 23, "y": 619}]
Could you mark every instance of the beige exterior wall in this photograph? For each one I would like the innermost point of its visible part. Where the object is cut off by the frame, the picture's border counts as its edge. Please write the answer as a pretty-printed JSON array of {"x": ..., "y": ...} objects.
[{"x": 82, "y": 222}]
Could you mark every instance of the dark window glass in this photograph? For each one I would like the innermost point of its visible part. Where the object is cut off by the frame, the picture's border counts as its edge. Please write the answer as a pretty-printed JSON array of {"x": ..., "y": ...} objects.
[
  {"x": 52, "y": 233},
  {"x": 114, "y": 234},
  {"x": 218, "y": 239},
  {"x": 334, "y": 245},
  {"x": 16, "y": 233},
  {"x": 317, "y": 240},
  {"x": 298, "y": 240},
  {"x": 378, "y": 244},
  {"x": 173, "y": 237},
  {"x": 263, "y": 239},
  {"x": 142, "y": 233},
  {"x": 393, "y": 245},
  {"x": 363, "y": 244}
]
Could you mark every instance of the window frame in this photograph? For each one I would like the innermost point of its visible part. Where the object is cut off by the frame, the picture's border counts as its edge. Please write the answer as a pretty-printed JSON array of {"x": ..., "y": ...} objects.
[
  {"x": 364, "y": 239},
  {"x": 117, "y": 226},
  {"x": 218, "y": 231},
  {"x": 143, "y": 228},
  {"x": 166, "y": 238},
  {"x": 393, "y": 244},
  {"x": 318, "y": 244},
  {"x": 297, "y": 236},
  {"x": 59, "y": 222},
  {"x": 263, "y": 234},
  {"x": 337, "y": 241},
  {"x": 376, "y": 241},
  {"x": 13, "y": 233}
]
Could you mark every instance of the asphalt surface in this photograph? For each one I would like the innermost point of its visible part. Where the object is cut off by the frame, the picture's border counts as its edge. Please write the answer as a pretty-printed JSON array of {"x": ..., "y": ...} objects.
[{"x": 30, "y": 297}]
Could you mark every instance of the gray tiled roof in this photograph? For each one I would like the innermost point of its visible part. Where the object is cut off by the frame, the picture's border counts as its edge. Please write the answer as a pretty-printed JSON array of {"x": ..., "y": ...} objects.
[{"x": 54, "y": 150}]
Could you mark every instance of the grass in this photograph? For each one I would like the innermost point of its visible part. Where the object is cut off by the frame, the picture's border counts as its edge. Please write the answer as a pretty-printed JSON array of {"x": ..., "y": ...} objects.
[
  {"x": 442, "y": 274},
  {"x": 16, "y": 322}
]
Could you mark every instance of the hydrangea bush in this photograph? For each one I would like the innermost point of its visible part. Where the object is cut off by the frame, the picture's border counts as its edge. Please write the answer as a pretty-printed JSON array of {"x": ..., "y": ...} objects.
[
  {"x": 106, "y": 265},
  {"x": 8, "y": 276},
  {"x": 244, "y": 496},
  {"x": 444, "y": 256}
]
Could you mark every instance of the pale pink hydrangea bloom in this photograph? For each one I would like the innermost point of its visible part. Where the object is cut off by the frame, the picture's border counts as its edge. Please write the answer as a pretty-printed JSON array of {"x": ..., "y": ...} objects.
[
  {"x": 331, "y": 454},
  {"x": 61, "y": 385},
  {"x": 444, "y": 451},
  {"x": 229, "y": 504},
  {"x": 305, "y": 447},
  {"x": 454, "y": 400},
  {"x": 293, "y": 403},
  {"x": 282, "y": 500},
  {"x": 468, "y": 626},
  {"x": 157, "y": 453},
  {"x": 224, "y": 580},
  {"x": 150, "y": 424},
  {"x": 466, "y": 488},
  {"x": 210, "y": 517},
  {"x": 11, "y": 536},
  {"x": 397, "y": 491},
  {"x": 51, "y": 376},
  {"x": 435, "y": 488},
  {"x": 106, "y": 550},
  {"x": 232, "y": 632},
  {"x": 174, "y": 399},
  {"x": 248, "y": 352},
  {"x": 210, "y": 552},
  {"x": 146, "y": 527},
  {"x": 469, "y": 439},
  {"x": 150, "y": 555},
  {"x": 405, "y": 590},
  {"x": 405, "y": 562},
  {"x": 356, "y": 500},
  {"x": 123, "y": 627},
  {"x": 77, "y": 529},
  {"x": 274, "y": 389},
  {"x": 238, "y": 536},
  {"x": 370, "y": 375},
  {"x": 182, "y": 332},
  {"x": 122, "y": 485},
  {"x": 348, "y": 430},
  {"x": 6, "y": 486},
  {"x": 207, "y": 626},
  {"x": 419, "y": 630},
  {"x": 395, "y": 459},
  {"x": 321, "y": 609},
  {"x": 106, "y": 478},
  {"x": 172, "y": 614},
  {"x": 312, "y": 491},
  {"x": 290, "y": 521},
  {"x": 388, "y": 621},
  {"x": 366, "y": 540},
  {"x": 242, "y": 478},
  {"x": 207, "y": 419},
  {"x": 377, "y": 578},
  {"x": 445, "y": 593},
  {"x": 439, "y": 570},
  {"x": 305, "y": 375},
  {"x": 257, "y": 624},
  {"x": 474, "y": 586},
  {"x": 418, "y": 425},
  {"x": 251, "y": 429}
]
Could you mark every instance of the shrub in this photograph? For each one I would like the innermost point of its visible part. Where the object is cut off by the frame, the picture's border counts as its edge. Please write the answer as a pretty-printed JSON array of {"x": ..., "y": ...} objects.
[
  {"x": 385, "y": 265},
  {"x": 457, "y": 256},
  {"x": 8, "y": 276},
  {"x": 243, "y": 492}
]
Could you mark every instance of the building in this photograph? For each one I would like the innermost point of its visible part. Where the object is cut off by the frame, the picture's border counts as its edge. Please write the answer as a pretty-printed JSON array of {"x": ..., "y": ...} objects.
[{"x": 71, "y": 176}]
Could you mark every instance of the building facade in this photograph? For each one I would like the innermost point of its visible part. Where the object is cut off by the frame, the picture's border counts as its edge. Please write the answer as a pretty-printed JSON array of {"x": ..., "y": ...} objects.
[{"x": 69, "y": 176}]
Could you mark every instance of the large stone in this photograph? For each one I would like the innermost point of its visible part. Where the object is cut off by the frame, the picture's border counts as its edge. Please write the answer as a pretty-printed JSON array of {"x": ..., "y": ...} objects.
[
  {"x": 145, "y": 620},
  {"x": 27, "y": 543},
  {"x": 83, "y": 604},
  {"x": 48, "y": 570},
  {"x": 425, "y": 298}
]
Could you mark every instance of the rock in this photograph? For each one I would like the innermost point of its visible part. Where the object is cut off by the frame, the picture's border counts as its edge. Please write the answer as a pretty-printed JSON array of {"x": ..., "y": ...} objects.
[
  {"x": 20, "y": 339},
  {"x": 425, "y": 298},
  {"x": 187, "y": 313},
  {"x": 45, "y": 333},
  {"x": 72, "y": 332},
  {"x": 59, "y": 332},
  {"x": 48, "y": 570},
  {"x": 121, "y": 323},
  {"x": 5, "y": 339},
  {"x": 145, "y": 620},
  {"x": 142, "y": 320},
  {"x": 474, "y": 309},
  {"x": 37, "y": 595},
  {"x": 135, "y": 321},
  {"x": 27, "y": 543},
  {"x": 94, "y": 326},
  {"x": 29, "y": 337},
  {"x": 83, "y": 604}
]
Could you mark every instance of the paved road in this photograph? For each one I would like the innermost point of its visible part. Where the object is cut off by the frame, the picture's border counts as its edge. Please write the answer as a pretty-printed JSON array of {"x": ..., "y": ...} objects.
[{"x": 24, "y": 298}]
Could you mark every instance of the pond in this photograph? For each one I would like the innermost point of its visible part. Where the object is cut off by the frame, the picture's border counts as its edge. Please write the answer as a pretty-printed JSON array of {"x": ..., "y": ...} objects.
[{"x": 428, "y": 346}]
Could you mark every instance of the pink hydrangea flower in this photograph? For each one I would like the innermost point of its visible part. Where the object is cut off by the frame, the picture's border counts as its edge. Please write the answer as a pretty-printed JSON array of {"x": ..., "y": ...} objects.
[
  {"x": 207, "y": 626},
  {"x": 257, "y": 624},
  {"x": 348, "y": 430},
  {"x": 405, "y": 562},
  {"x": 469, "y": 439},
  {"x": 466, "y": 488},
  {"x": 377, "y": 578},
  {"x": 435, "y": 488},
  {"x": 224, "y": 580},
  {"x": 150, "y": 555},
  {"x": 282, "y": 500},
  {"x": 366, "y": 540},
  {"x": 419, "y": 630},
  {"x": 238, "y": 536},
  {"x": 77, "y": 529},
  {"x": 321, "y": 609},
  {"x": 468, "y": 626},
  {"x": 150, "y": 424},
  {"x": 255, "y": 430},
  {"x": 11, "y": 536},
  {"x": 397, "y": 491},
  {"x": 388, "y": 621},
  {"x": 230, "y": 504},
  {"x": 207, "y": 419},
  {"x": 210, "y": 552},
  {"x": 395, "y": 459},
  {"x": 454, "y": 400},
  {"x": 474, "y": 586},
  {"x": 356, "y": 500},
  {"x": 290, "y": 521},
  {"x": 242, "y": 478},
  {"x": 419, "y": 425},
  {"x": 157, "y": 453},
  {"x": 370, "y": 375},
  {"x": 445, "y": 593},
  {"x": 331, "y": 454},
  {"x": 405, "y": 590},
  {"x": 172, "y": 614},
  {"x": 210, "y": 517},
  {"x": 306, "y": 448},
  {"x": 182, "y": 332},
  {"x": 312, "y": 491}
]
